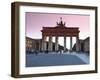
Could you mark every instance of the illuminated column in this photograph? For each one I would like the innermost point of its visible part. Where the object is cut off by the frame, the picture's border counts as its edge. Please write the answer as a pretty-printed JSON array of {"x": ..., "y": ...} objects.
[
  {"x": 64, "y": 43},
  {"x": 70, "y": 43},
  {"x": 39, "y": 45},
  {"x": 35, "y": 46},
  {"x": 43, "y": 43},
  {"x": 77, "y": 43},
  {"x": 50, "y": 43},
  {"x": 56, "y": 43}
]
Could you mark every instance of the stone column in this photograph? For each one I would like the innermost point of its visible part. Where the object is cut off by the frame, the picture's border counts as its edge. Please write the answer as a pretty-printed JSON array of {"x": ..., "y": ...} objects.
[
  {"x": 56, "y": 43},
  {"x": 43, "y": 43},
  {"x": 39, "y": 45},
  {"x": 64, "y": 43},
  {"x": 50, "y": 43},
  {"x": 77, "y": 43},
  {"x": 71, "y": 43},
  {"x": 45, "y": 46},
  {"x": 35, "y": 45}
]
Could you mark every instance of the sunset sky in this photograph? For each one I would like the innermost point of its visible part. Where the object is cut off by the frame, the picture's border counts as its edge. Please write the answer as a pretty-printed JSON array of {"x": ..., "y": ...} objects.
[{"x": 35, "y": 22}]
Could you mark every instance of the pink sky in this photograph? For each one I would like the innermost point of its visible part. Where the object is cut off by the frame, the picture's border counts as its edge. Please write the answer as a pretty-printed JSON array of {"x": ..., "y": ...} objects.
[{"x": 35, "y": 22}]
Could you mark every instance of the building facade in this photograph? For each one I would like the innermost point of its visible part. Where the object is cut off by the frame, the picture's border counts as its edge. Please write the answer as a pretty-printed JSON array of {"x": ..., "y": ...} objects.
[
  {"x": 33, "y": 45},
  {"x": 84, "y": 45},
  {"x": 87, "y": 45}
]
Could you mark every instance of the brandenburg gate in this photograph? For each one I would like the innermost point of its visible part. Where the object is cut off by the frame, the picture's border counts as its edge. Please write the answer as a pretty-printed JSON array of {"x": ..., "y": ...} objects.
[{"x": 59, "y": 31}]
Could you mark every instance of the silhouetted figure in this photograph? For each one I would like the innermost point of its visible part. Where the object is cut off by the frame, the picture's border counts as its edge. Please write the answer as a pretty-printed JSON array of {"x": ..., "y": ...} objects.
[
  {"x": 46, "y": 52},
  {"x": 36, "y": 52}
]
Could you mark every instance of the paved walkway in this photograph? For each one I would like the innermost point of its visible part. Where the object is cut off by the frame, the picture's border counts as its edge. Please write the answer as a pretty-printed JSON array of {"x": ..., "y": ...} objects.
[{"x": 56, "y": 59}]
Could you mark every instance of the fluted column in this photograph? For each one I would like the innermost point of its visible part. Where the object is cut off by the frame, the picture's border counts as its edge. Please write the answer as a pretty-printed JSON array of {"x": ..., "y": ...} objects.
[
  {"x": 70, "y": 43},
  {"x": 64, "y": 43},
  {"x": 50, "y": 43},
  {"x": 43, "y": 43},
  {"x": 56, "y": 43},
  {"x": 77, "y": 44},
  {"x": 39, "y": 45}
]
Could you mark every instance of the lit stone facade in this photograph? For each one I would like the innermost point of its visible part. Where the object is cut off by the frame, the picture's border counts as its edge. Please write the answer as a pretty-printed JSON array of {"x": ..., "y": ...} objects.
[
  {"x": 33, "y": 44},
  {"x": 84, "y": 45}
]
